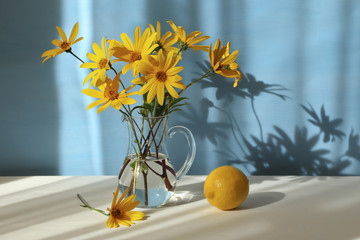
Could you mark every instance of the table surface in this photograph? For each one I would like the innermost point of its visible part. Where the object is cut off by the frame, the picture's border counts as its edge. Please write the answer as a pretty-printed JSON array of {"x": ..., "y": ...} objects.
[{"x": 278, "y": 207}]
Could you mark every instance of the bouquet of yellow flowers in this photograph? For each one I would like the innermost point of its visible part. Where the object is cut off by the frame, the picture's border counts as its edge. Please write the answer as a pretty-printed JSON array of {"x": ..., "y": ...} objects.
[{"x": 154, "y": 61}]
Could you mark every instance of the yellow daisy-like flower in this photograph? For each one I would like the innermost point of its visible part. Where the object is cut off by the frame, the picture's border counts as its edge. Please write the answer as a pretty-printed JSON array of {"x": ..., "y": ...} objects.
[
  {"x": 120, "y": 212},
  {"x": 160, "y": 73},
  {"x": 164, "y": 42},
  {"x": 133, "y": 53},
  {"x": 189, "y": 41},
  {"x": 108, "y": 94},
  {"x": 63, "y": 44},
  {"x": 100, "y": 59},
  {"x": 223, "y": 63}
]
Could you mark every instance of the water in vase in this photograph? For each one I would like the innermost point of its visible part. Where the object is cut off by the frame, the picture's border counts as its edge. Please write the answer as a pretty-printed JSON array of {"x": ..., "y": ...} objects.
[{"x": 152, "y": 179}]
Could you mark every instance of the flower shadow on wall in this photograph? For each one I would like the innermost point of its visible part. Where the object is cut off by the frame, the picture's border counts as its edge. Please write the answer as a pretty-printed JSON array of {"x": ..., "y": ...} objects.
[
  {"x": 281, "y": 154},
  {"x": 298, "y": 156},
  {"x": 198, "y": 120}
]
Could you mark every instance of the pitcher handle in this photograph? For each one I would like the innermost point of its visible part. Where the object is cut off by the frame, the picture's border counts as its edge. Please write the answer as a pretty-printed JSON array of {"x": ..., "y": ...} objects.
[{"x": 191, "y": 154}]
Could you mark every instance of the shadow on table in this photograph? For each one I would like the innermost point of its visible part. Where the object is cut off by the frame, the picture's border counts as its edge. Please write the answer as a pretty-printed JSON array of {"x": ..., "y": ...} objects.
[
  {"x": 260, "y": 199},
  {"x": 10, "y": 179},
  {"x": 52, "y": 205},
  {"x": 194, "y": 192},
  {"x": 186, "y": 194}
]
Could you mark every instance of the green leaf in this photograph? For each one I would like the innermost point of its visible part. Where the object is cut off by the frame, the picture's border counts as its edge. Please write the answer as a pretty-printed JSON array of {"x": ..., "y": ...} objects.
[
  {"x": 177, "y": 100},
  {"x": 133, "y": 165}
]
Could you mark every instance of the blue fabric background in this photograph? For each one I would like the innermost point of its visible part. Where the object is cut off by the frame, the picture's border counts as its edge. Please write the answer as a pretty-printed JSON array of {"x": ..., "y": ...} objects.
[{"x": 306, "y": 50}]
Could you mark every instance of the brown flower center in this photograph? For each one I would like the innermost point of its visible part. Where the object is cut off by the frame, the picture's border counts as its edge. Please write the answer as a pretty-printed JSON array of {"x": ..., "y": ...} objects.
[
  {"x": 64, "y": 45},
  {"x": 115, "y": 213},
  {"x": 135, "y": 56},
  {"x": 102, "y": 63},
  {"x": 161, "y": 76},
  {"x": 112, "y": 95},
  {"x": 219, "y": 68}
]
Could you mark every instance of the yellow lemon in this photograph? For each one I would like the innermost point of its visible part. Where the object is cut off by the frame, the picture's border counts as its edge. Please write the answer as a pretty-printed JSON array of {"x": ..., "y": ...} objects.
[{"x": 226, "y": 187}]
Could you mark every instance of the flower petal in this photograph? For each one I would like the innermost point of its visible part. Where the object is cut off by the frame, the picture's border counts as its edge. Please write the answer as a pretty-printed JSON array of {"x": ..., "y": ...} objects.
[
  {"x": 146, "y": 87},
  {"x": 137, "y": 37},
  {"x": 200, "y": 47},
  {"x": 92, "y": 57},
  {"x": 160, "y": 93},
  {"x": 74, "y": 33},
  {"x": 229, "y": 73},
  {"x": 171, "y": 90},
  {"x": 48, "y": 57},
  {"x": 130, "y": 199},
  {"x": 230, "y": 59},
  {"x": 103, "y": 107},
  {"x": 199, "y": 39},
  {"x": 96, "y": 103},
  {"x": 173, "y": 26},
  {"x": 179, "y": 85},
  {"x": 115, "y": 195},
  {"x": 112, "y": 222},
  {"x": 127, "y": 42},
  {"x": 52, "y": 52},
  {"x": 93, "y": 93},
  {"x": 152, "y": 92},
  {"x": 135, "y": 215},
  {"x": 168, "y": 61},
  {"x": 89, "y": 65},
  {"x": 127, "y": 67},
  {"x": 62, "y": 34},
  {"x": 129, "y": 206},
  {"x": 124, "y": 222},
  {"x": 116, "y": 104},
  {"x": 145, "y": 67},
  {"x": 56, "y": 42},
  {"x": 79, "y": 39},
  {"x": 174, "y": 70},
  {"x": 90, "y": 75},
  {"x": 127, "y": 100},
  {"x": 122, "y": 196},
  {"x": 98, "y": 51}
]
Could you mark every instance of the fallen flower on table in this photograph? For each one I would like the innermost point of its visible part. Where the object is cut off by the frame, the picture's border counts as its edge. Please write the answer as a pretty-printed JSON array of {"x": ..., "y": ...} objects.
[{"x": 120, "y": 212}]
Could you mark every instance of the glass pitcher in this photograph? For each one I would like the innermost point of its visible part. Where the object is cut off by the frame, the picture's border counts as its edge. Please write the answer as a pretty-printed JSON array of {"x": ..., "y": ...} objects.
[{"x": 147, "y": 169}]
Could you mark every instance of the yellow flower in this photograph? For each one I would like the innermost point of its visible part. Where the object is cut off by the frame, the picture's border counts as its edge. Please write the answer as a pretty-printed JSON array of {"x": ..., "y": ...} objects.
[
  {"x": 223, "y": 63},
  {"x": 164, "y": 42},
  {"x": 108, "y": 94},
  {"x": 120, "y": 212},
  {"x": 64, "y": 45},
  {"x": 133, "y": 53},
  {"x": 100, "y": 60},
  {"x": 189, "y": 41},
  {"x": 160, "y": 73}
]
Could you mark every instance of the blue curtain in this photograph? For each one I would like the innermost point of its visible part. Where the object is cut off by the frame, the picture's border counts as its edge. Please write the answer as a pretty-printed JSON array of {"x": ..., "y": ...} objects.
[{"x": 294, "y": 113}]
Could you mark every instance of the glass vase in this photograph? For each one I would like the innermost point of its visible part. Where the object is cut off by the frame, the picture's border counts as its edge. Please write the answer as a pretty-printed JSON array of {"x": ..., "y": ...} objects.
[{"x": 147, "y": 170}]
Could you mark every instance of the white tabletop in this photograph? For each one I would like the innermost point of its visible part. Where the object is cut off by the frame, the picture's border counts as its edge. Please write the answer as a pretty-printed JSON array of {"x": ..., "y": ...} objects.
[{"x": 287, "y": 207}]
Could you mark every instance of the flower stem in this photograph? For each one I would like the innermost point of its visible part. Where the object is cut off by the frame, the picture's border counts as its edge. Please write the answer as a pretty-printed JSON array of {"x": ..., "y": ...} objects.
[
  {"x": 86, "y": 205},
  {"x": 207, "y": 74},
  {"x": 78, "y": 58},
  {"x": 146, "y": 188}
]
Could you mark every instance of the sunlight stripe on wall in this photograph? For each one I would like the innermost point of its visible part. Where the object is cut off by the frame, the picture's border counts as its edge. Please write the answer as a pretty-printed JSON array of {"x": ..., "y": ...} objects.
[{"x": 80, "y": 149}]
